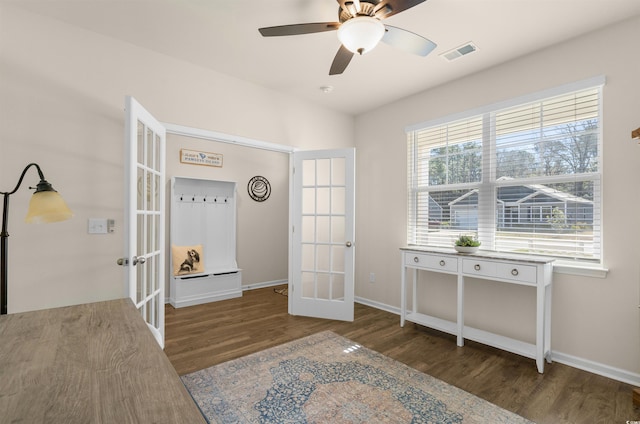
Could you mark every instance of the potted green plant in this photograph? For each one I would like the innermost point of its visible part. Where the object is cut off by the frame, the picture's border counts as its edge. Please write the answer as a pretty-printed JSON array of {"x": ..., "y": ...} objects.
[{"x": 467, "y": 244}]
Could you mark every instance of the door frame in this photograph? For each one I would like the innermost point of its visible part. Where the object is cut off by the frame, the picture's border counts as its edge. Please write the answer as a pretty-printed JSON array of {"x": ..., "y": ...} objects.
[{"x": 186, "y": 131}]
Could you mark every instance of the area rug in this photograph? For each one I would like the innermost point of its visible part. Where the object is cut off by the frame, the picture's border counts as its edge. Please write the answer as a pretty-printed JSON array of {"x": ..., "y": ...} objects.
[{"x": 326, "y": 378}]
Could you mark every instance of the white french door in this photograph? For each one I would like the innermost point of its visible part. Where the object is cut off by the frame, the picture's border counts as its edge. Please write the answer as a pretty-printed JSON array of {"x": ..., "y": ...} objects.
[
  {"x": 144, "y": 215},
  {"x": 322, "y": 254}
]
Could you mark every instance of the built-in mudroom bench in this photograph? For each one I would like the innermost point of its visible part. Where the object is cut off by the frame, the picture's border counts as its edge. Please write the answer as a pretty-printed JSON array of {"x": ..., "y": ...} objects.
[
  {"x": 533, "y": 271},
  {"x": 203, "y": 242}
]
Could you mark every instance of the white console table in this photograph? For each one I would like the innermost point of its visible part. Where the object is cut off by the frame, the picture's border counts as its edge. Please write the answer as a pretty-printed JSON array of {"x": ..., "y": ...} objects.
[{"x": 533, "y": 271}]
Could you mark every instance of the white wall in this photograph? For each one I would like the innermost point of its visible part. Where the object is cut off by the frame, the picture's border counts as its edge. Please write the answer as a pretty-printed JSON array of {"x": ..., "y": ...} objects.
[
  {"x": 62, "y": 93},
  {"x": 594, "y": 319}
]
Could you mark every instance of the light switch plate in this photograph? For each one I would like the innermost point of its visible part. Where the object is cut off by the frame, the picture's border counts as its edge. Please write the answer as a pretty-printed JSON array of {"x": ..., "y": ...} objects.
[{"x": 97, "y": 226}]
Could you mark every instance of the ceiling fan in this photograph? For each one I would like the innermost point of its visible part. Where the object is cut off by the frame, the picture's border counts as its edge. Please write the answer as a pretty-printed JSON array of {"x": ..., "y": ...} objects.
[{"x": 360, "y": 29}]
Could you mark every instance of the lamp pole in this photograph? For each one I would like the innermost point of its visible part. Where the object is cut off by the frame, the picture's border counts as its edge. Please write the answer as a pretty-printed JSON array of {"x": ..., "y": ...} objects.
[
  {"x": 3, "y": 255},
  {"x": 4, "y": 235}
]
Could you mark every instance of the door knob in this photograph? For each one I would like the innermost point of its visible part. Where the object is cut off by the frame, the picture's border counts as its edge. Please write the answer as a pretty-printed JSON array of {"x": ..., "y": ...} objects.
[
  {"x": 122, "y": 261},
  {"x": 138, "y": 260},
  {"x": 348, "y": 244}
]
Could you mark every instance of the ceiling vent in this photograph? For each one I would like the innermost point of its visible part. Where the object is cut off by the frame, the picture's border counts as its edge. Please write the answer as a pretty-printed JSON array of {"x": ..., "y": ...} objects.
[{"x": 459, "y": 51}]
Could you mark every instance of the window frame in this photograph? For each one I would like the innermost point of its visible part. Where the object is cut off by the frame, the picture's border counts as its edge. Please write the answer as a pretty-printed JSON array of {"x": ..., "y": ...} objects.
[{"x": 488, "y": 185}]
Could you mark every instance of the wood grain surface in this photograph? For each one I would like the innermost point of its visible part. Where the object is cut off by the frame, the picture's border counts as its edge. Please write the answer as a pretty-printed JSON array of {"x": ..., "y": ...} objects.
[{"x": 91, "y": 363}]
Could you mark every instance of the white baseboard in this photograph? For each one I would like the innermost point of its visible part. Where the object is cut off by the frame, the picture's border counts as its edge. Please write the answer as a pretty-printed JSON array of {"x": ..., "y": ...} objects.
[
  {"x": 261, "y": 285},
  {"x": 572, "y": 361},
  {"x": 378, "y": 305},
  {"x": 597, "y": 368},
  {"x": 264, "y": 284}
]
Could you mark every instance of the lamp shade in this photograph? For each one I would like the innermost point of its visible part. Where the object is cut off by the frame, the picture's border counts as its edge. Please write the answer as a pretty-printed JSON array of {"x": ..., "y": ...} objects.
[
  {"x": 361, "y": 34},
  {"x": 47, "y": 206}
]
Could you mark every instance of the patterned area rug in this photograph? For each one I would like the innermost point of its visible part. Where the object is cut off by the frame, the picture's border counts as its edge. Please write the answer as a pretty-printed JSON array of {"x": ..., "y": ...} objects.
[{"x": 325, "y": 378}]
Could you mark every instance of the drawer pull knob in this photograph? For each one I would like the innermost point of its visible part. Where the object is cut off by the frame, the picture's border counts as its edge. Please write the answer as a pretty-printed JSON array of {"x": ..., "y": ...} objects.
[
  {"x": 442, "y": 262},
  {"x": 514, "y": 272},
  {"x": 416, "y": 260},
  {"x": 476, "y": 267}
]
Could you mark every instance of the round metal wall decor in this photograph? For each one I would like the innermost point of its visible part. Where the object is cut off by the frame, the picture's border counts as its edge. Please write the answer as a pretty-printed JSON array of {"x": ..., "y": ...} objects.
[{"x": 259, "y": 188}]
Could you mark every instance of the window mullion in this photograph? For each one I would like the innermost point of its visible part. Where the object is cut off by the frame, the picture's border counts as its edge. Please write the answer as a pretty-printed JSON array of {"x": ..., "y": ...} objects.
[{"x": 487, "y": 191}]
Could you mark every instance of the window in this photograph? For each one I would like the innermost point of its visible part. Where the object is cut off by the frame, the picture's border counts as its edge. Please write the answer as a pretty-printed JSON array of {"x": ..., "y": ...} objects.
[{"x": 524, "y": 176}]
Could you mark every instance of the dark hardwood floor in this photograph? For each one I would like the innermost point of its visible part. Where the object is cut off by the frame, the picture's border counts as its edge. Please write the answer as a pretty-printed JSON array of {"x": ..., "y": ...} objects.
[{"x": 204, "y": 335}]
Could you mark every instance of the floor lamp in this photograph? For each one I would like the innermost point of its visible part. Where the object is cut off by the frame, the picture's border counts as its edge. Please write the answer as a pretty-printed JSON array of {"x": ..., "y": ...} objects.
[{"x": 45, "y": 206}]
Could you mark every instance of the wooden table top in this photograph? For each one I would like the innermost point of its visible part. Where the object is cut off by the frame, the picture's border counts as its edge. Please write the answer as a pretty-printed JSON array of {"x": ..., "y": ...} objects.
[{"x": 91, "y": 363}]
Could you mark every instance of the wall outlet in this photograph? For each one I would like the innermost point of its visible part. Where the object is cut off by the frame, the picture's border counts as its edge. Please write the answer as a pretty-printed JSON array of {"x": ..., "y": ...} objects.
[{"x": 372, "y": 277}]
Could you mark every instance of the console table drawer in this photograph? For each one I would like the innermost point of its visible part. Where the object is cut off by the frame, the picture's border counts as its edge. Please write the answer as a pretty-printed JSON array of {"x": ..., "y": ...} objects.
[
  {"x": 479, "y": 267},
  {"x": 507, "y": 271},
  {"x": 517, "y": 272},
  {"x": 435, "y": 262}
]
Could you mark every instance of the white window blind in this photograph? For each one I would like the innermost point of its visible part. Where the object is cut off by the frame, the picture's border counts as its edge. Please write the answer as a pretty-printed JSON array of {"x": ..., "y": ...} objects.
[{"x": 524, "y": 178}]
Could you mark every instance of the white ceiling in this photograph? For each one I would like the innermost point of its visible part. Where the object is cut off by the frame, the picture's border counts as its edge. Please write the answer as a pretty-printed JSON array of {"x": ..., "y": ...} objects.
[{"x": 223, "y": 36}]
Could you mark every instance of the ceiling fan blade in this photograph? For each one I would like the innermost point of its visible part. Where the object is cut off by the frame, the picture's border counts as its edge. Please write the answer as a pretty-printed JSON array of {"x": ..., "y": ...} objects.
[
  {"x": 408, "y": 41},
  {"x": 387, "y": 8},
  {"x": 297, "y": 29},
  {"x": 340, "y": 62}
]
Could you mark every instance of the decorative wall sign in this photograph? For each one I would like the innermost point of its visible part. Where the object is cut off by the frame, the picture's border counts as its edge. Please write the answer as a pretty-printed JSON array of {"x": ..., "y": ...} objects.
[
  {"x": 194, "y": 157},
  {"x": 259, "y": 188}
]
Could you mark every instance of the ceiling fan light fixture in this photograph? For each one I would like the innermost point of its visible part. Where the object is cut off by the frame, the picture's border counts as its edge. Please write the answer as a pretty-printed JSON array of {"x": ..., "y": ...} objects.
[{"x": 361, "y": 34}]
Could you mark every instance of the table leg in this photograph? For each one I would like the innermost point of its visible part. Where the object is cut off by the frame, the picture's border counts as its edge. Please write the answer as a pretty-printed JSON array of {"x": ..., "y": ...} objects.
[
  {"x": 540, "y": 325},
  {"x": 403, "y": 294},
  {"x": 460, "y": 317}
]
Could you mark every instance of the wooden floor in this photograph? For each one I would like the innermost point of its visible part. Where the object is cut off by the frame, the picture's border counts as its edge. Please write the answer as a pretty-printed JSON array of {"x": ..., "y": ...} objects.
[{"x": 201, "y": 336}]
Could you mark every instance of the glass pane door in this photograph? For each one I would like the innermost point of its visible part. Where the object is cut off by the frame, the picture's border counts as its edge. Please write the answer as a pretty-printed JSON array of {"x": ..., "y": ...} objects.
[
  {"x": 146, "y": 163},
  {"x": 323, "y": 248}
]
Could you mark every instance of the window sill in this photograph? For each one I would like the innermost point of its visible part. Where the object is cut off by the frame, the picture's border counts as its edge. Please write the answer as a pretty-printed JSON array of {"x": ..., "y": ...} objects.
[{"x": 584, "y": 270}]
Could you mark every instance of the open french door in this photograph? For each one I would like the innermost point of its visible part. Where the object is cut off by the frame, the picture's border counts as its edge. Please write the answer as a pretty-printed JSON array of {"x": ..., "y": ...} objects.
[
  {"x": 322, "y": 247},
  {"x": 145, "y": 141}
]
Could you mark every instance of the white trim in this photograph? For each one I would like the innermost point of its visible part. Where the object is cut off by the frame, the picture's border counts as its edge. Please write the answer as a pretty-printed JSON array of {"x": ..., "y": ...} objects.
[
  {"x": 226, "y": 138},
  {"x": 580, "y": 270},
  {"x": 263, "y": 285},
  {"x": 597, "y": 368},
  {"x": 255, "y": 286},
  {"x": 527, "y": 98},
  {"x": 378, "y": 305}
]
